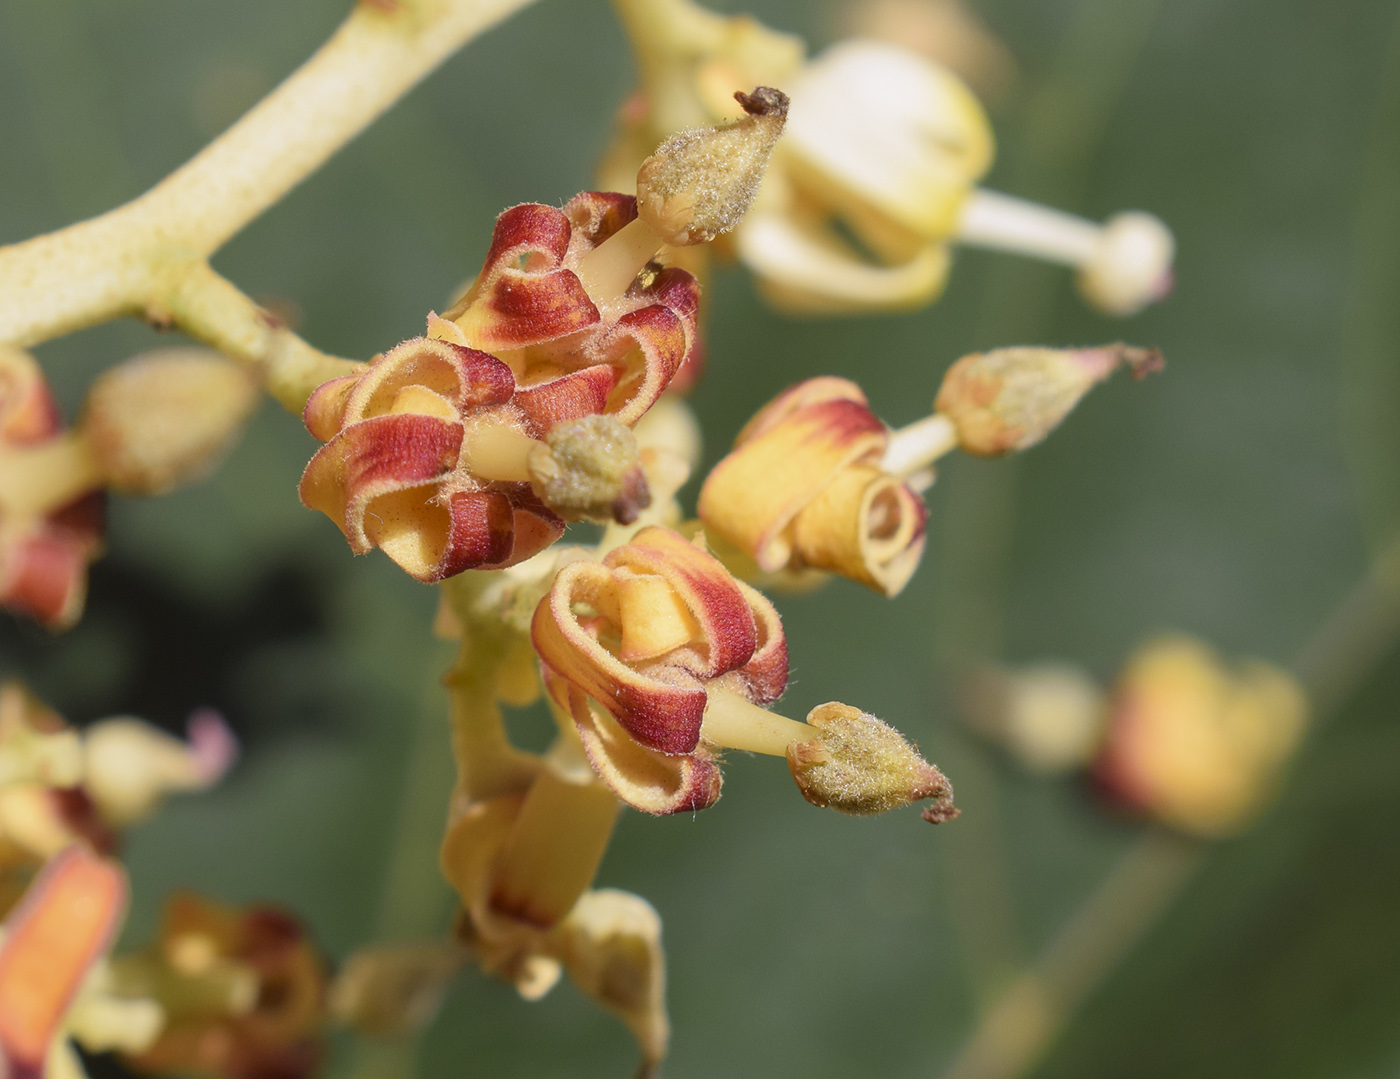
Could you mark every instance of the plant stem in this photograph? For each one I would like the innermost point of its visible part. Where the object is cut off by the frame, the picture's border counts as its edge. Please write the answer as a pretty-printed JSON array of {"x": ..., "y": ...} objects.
[
  {"x": 1016, "y": 1030},
  {"x": 919, "y": 444},
  {"x": 150, "y": 257}
]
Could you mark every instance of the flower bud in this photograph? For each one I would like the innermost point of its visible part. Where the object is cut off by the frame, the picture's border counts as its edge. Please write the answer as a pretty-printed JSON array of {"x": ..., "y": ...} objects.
[
  {"x": 701, "y": 182},
  {"x": 1131, "y": 265},
  {"x": 1011, "y": 398},
  {"x": 164, "y": 419},
  {"x": 1049, "y": 716},
  {"x": 1194, "y": 743},
  {"x": 394, "y": 989},
  {"x": 863, "y": 766},
  {"x": 590, "y": 469}
]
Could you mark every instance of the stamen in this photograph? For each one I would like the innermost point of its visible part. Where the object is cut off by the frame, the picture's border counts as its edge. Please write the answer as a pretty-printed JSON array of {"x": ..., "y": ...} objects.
[
  {"x": 735, "y": 723},
  {"x": 610, "y": 268},
  {"x": 1005, "y": 223},
  {"x": 496, "y": 451},
  {"x": 915, "y": 447}
]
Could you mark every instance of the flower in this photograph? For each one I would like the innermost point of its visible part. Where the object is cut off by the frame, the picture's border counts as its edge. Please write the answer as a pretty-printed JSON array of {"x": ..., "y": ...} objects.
[
  {"x": 60, "y": 786},
  {"x": 243, "y": 992},
  {"x": 804, "y": 486},
  {"x": 662, "y": 659},
  {"x": 881, "y": 143},
  {"x": 391, "y": 474},
  {"x": 585, "y": 327},
  {"x": 523, "y": 863},
  {"x": 1197, "y": 744},
  {"x": 876, "y": 179},
  {"x": 51, "y": 511},
  {"x": 524, "y": 838}
]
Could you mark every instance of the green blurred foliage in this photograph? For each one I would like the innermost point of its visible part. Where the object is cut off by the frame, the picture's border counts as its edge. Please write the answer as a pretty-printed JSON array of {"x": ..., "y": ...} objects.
[{"x": 1234, "y": 497}]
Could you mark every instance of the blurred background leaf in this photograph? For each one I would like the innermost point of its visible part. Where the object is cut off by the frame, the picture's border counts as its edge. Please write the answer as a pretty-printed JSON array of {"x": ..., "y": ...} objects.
[{"x": 1233, "y": 497}]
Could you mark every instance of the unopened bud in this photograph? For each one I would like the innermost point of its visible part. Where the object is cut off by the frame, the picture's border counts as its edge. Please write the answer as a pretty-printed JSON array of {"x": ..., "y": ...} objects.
[
  {"x": 590, "y": 468},
  {"x": 167, "y": 418},
  {"x": 1011, "y": 398},
  {"x": 700, "y": 182},
  {"x": 394, "y": 989},
  {"x": 1050, "y": 716},
  {"x": 862, "y": 765},
  {"x": 1131, "y": 265}
]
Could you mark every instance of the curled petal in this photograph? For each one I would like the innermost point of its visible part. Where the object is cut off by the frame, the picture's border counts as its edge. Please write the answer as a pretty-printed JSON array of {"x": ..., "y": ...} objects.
[
  {"x": 663, "y": 715},
  {"x": 864, "y": 525},
  {"x": 43, "y": 575},
  {"x": 568, "y": 397},
  {"x": 728, "y": 630},
  {"x": 375, "y": 458},
  {"x": 656, "y": 783},
  {"x": 611, "y": 946},
  {"x": 594, "y": 216},
  {"x": 424, "y": 375},
  {"x": 753, "y": 495},
  {"x": 324, "y": 413},
  {"x": 804, "y": 268},
  {"x": 523, "y": 295},
  {"x": 66, "y": 921}
]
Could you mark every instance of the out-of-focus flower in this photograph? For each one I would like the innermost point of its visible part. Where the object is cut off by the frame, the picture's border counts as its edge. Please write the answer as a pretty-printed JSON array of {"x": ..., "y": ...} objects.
[
  {"x": 662, "y": 659},
  {"x": 51, "y": 509},
  {"x": 948, "y": 32},
  {"x": 1010, "y": 398},
  {"x": 1197, "y": 744},
  {"x": 390, "y": 990},
  {"x": 60, "y": 786},
  {"x": 876, "y": 177},
  {"x": 51, "y": 944},
  {"x": 804, "y": 487},
  {"x": 243, "y": 992}
]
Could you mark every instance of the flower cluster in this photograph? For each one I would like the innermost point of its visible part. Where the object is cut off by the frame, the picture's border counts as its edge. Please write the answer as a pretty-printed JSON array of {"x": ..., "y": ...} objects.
[
  {"x": 546, "y": 395},
  {"x": 60, "y": 786}
]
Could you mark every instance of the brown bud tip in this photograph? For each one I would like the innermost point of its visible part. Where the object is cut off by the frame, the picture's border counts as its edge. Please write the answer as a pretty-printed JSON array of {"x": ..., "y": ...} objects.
[
  {"x": 700, "y": 182},
  {"x": 1011, "y": 398},
  {"x": 591, "y": 468},
  {"x": 167, "y": 418},
  {"x": 862, "y": 765}
]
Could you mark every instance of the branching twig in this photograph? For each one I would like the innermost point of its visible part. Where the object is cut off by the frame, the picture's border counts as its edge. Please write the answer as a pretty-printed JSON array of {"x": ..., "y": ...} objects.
[{"x": 149, "y": 258}]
